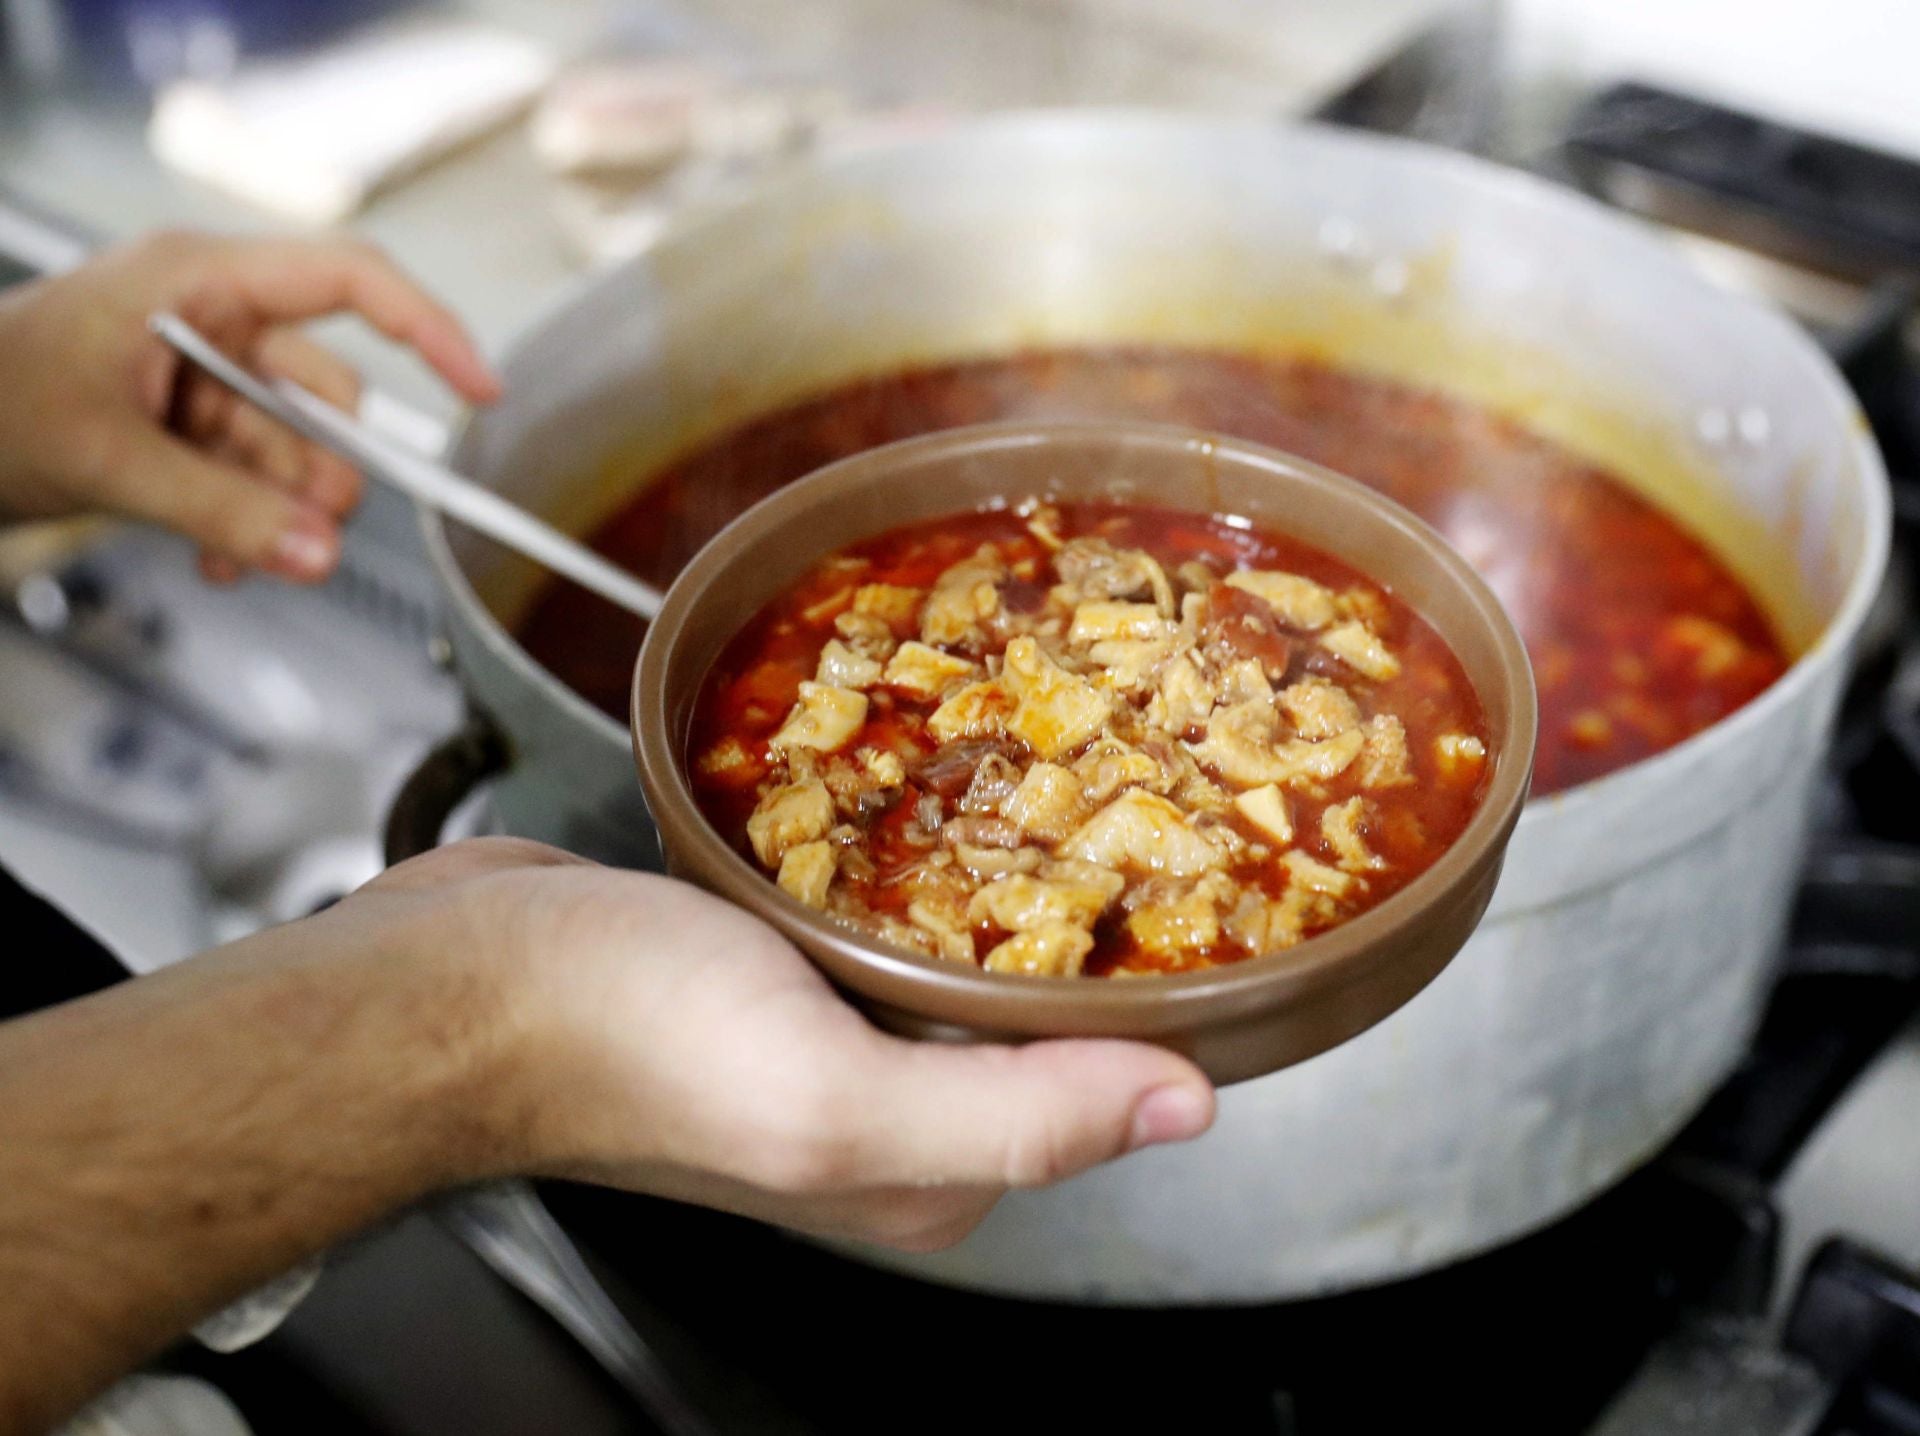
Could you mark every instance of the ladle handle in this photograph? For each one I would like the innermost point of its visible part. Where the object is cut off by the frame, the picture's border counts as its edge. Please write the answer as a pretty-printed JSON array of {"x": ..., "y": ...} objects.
[{"x": 432, "y": 484}]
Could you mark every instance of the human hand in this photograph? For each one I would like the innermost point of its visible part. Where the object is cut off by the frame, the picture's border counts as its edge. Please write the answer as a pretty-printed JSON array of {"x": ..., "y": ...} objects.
[
  {"x": 98, "y": 416},
  {"x": 657, "y": 1038},
  {"x": 492, "y": 1008}
]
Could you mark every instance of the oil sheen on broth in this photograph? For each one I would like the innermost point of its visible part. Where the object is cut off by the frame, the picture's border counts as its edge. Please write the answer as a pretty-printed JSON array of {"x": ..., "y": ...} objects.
[{"x": 1639, "y": 635}]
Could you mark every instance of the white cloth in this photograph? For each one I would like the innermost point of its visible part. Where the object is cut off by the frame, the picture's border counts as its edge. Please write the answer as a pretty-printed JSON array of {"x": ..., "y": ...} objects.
[{"x": 314, "y": 137}]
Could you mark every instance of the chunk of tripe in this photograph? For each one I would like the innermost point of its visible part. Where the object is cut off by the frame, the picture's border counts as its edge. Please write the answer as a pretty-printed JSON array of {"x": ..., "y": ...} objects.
[
  {"x": 825, "y": 718},
  {"x": 729, "y": 761},
  {"x": 949, "y": 942},
  {"x": 1189, "y": 923},
  {"x": 1047, "y": 805},
  {"x": 1184, "y": 698},
  {"x": 1054, "y": 711},
  {"x": 1266, "y": 808},
  {"x": 991, "y": 863},
  {"x": 807, "y": 871},
  {"x": 1068, "y": 870},
  {"x": 1129, "y": 664},
  {"x": 1020, "y": 903},
  {"x": 1091, "y": 568},
  {"x": 1340, "y": 826},
  {"x": 1365, "y": 604},
  {"x": 1054, "y": 949},
  {"x": 882, "y": 767},
  {"x": 1098, "y": 620},
  {"x": 823, "y": 609},
  {"x": 1317, "y": 709},
  {"x": 1384, "y": 761},
  {"x": 787, "y": 817},
  {"x": 979, "y": 710},
  {"x": 1143, "y": 832},
  {"x": 1243, "y": 682},
  {"x": 887, "y": 602},
  {"x": 841, "y": 667},
  {"x": 1262, "y": 924},
  {"x": 1240, "y": 746},
  {"x": 925, "y": 671},
  {"x": 868, "y": 634},
  {"x": 1300, "y": 602},
  {"x": 1111, "y": 764},
  {"x": 963, "y": 599},
  {"x": 1183, "y": 924},
  {"x": 939, "y": 910},
  {"x": 1315, "y": 876},
  {"x": 1459, "y": 755},
  {"x": 1357, "y": 647}
]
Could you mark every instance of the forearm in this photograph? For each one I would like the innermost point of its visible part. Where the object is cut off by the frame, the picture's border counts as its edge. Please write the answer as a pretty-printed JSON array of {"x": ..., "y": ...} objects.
[
  {"x": 166, "y": 1145},
  {"x": 494, "y": 1006}
]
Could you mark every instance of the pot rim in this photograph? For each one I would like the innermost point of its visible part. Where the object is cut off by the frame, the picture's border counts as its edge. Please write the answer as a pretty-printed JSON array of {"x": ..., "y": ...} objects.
[
  {"x": 1387, "y": 933},
  {"x": 1520, "y": 187}
]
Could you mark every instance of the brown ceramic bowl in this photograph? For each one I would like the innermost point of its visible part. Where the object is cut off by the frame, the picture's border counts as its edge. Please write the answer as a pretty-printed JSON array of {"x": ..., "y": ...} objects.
[{"x": 1236, "y": 1021}]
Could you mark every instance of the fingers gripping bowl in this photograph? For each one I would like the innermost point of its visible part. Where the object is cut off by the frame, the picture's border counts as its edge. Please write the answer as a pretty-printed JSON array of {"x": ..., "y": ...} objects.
[{"x": 1237, "y": 1019}]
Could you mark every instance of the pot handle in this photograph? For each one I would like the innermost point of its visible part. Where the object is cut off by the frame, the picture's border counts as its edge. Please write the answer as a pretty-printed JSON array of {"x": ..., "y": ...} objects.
[{"x": 458, "y": 764}]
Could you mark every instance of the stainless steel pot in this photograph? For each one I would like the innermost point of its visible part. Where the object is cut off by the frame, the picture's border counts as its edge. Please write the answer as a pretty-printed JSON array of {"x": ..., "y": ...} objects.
[{"x": 1621, "y": 967}]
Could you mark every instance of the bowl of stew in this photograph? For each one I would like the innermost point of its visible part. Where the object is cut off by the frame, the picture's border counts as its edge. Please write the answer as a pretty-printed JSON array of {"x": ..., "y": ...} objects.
[{"x": 1092, "y": 730}]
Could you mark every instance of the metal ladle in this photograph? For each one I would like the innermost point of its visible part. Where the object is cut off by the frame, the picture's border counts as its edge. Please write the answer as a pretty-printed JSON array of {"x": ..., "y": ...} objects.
[{"x": 427, "y": 482}]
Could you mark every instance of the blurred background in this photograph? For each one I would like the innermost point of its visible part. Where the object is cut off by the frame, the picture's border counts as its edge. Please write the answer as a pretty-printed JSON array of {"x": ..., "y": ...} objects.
[{"x": 570, "y": 126}]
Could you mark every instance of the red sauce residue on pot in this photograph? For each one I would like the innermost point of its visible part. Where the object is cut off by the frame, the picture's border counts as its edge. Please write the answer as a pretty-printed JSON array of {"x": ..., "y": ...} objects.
[
  {"x": 1640, "y": 636},
  {"x": 1101, "y": 834}
]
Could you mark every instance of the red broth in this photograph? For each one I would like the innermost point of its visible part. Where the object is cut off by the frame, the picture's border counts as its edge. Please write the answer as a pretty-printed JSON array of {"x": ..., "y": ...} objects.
[
  {"x": 904, "y": 816},
  {"x": 1640, "y": 636}
]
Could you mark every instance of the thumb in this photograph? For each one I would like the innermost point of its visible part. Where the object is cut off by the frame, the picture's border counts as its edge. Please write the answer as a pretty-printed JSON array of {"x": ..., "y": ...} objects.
[
  {"x": 225, "y": 510},
  {"x": 1021, "y": 1116}
]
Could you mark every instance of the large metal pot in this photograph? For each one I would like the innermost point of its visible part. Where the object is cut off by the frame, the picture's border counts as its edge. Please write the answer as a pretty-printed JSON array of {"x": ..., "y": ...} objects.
[{"x": 1631, "y": 940}]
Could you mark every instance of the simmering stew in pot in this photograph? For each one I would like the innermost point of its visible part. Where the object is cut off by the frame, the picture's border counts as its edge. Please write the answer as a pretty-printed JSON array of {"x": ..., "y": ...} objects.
[
  {"x": 1088, "y": 738},
  {"x": 1640, "y": 636}
]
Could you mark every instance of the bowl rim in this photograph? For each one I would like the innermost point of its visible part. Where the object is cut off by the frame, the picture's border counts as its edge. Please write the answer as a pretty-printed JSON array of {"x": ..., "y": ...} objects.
[{"x": 1340, "y": 955}]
